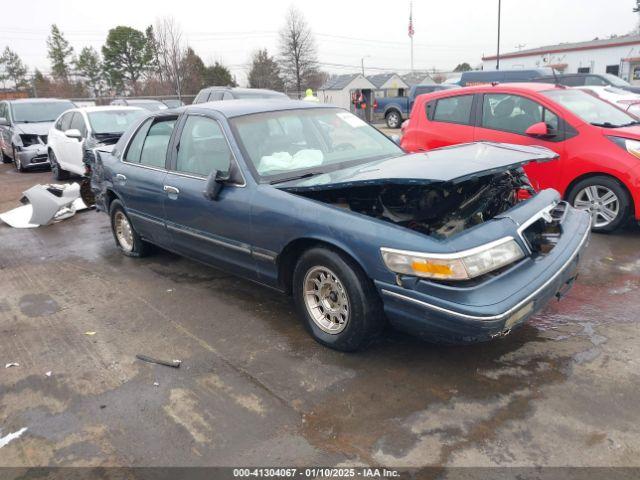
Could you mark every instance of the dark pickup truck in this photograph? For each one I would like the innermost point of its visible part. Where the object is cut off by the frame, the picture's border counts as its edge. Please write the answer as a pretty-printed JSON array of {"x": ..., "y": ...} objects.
[{"x": 395, "y": 109}]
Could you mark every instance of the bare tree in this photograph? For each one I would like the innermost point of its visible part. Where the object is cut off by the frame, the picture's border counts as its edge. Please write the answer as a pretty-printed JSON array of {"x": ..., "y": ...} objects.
[
  {"x": 298, "y": 55},
  {"x": 170, "y": 52}
]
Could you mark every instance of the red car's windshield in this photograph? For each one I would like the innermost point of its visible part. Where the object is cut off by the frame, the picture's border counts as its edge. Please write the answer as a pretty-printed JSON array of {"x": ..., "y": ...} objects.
[{"x": 591, "y": 109}]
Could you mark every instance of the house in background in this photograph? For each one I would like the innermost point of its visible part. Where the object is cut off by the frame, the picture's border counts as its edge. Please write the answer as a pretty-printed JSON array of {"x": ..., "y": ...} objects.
[
  {"x": 617, "y": 55},
  {"x": 341, "y": 89},
  {"x": 389, "y": 85},
  {"x": 417, "y": 78}
]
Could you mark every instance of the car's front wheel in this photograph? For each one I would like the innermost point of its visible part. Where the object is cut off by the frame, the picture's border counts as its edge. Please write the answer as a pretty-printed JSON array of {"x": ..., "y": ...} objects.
[
  {"x": 338, "y": 303},
  {"x": 127, "y": 239},
  {"x": 56, "y": 169},
  {"x": 605, "y": 198},
  {"x": 394, "y": 120}
]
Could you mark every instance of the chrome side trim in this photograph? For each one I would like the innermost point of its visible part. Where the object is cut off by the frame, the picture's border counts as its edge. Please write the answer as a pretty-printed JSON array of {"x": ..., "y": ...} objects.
[
  {"x": 145, "y": 218},
  {"x": 222, "y": 243},
  {"x": 264, "y": 255},
  {"x": 504, "y": 314}
]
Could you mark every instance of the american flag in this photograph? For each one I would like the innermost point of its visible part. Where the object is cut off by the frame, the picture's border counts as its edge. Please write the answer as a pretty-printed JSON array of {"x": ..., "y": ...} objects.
[{"x": 411, "y": 32}]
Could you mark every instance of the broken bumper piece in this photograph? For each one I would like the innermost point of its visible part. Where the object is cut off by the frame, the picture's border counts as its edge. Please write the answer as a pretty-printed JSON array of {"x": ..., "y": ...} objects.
[
  {"x": 45, "y": 204},
  {"x": 493, "y": 307}
]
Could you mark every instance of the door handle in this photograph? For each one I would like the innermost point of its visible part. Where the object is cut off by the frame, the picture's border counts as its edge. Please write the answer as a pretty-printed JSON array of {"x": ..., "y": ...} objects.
[
  {"x": 121, "y": 177},
  {"x": 171, "y": 190}
]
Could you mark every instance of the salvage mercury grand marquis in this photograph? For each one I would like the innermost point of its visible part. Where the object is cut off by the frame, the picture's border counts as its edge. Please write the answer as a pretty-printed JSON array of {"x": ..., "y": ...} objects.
[{"x": 310, "y": 200}]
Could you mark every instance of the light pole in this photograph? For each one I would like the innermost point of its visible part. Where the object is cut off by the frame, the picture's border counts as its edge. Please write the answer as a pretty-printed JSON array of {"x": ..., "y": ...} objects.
[
  {"x": 498, "y": 52},
  {"x": 362, "y": 63}
]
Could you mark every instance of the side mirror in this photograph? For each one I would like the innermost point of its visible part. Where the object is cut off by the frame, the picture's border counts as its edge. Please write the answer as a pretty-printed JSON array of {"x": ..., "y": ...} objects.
[
  {"x": 73, "y": 133},
  {"x": 4, "y": 122},
  {"x": 215, "y": 182},
  {"x": 539, "y": 129}
]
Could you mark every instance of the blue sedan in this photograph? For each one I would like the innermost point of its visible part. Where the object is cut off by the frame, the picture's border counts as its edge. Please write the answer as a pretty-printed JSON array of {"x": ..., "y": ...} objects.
[{"x": 452, "y": 245}]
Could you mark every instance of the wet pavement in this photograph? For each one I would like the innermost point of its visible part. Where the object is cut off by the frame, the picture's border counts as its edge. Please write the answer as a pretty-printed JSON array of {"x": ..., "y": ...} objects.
[{"x": 255, "y": 389}]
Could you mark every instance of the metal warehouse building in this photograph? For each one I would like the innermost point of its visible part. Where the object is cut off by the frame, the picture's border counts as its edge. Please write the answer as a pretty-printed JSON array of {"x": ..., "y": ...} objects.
[{"x": 618, "y": 55}]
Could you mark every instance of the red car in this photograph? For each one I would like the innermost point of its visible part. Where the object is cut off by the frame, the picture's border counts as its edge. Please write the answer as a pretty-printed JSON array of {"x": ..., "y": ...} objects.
[{"x": 598, "y": 143}]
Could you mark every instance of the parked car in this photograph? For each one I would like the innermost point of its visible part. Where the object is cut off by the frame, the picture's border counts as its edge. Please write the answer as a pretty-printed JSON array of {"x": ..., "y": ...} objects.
[
  {"x": 80, "y": 129},
  {"x": 24, "y": 125},
  {"x": 147, "y": 104},
  {"x": 589, "y": 80},
  {"x": 211, "y": 94},
  {"x": 309, "y": 199},
  {"x": 598, "y": 143},
  {"x": 483, "y": 77},
  {"x": 173, "y": 103},
  {"x": 395, "y": 109},
  {"x": 624, "y": 99}
]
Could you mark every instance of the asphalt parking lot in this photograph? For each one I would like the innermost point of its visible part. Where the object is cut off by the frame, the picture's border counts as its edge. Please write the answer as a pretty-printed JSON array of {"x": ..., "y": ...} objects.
[{"x": 254, "y": 388}]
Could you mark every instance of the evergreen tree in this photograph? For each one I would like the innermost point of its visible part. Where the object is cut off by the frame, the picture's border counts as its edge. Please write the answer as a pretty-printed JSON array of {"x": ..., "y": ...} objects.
[{"x": 60, "y": 53}]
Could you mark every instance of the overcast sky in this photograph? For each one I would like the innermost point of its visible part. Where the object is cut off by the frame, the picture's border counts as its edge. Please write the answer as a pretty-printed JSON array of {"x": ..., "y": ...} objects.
[{"x": 447, "y": 32}]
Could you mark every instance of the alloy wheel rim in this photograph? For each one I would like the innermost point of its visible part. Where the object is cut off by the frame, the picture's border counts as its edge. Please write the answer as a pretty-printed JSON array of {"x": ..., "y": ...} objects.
[
  {"x": 393, "y": 120},
  {"x": 124, "y": 232},
  {"x": 326, "y": 300},
  {"x": 601, "y": 202}
]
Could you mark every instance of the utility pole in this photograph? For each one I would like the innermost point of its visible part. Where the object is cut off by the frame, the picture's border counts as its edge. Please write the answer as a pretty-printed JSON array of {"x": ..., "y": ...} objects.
[
  {"x": 498, "y": 50},
  {"x": 411, "y": 31}
]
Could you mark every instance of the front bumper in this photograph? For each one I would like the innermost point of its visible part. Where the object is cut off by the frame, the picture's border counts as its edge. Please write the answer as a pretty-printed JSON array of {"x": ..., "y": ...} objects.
[
  {"x": 33, "y": 156},
  {"x": 492, "y": 308}
]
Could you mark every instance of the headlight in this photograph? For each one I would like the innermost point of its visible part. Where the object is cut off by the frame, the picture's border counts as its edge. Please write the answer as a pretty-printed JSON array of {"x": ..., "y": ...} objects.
[
  {"x": 631, "y": 146},
  {"x": 456, "y": 266}
]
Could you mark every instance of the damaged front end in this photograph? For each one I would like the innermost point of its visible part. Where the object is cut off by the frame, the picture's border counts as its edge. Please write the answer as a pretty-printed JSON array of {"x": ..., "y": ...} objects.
[{"x": 440, "y": 209}]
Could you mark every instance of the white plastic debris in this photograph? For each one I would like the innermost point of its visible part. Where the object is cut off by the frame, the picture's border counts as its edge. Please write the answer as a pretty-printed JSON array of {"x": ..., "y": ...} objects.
[
  {"x": 45, "y": 207},
  {"x": 47, "y": 374},
  {"x": 156, "y": 384},
  {"x": 12, "y": 364},
  {"x": 12, "y": 436}
]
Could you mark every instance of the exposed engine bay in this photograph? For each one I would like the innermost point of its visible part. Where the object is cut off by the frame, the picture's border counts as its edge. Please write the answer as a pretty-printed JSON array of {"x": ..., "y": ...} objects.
[{"x": 440, "y": 210}]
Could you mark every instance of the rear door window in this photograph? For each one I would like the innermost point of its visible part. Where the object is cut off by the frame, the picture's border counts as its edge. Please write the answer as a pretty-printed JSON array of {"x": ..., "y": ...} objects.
[
  {"x": 156, "y": 143},
  {"x": 135, "y": 147},
  {"x": 454, "y": 109}
]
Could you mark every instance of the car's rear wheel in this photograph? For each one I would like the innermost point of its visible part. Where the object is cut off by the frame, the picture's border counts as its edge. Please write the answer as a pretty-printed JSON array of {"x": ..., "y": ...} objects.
[
  {"x": 394, "y": 120},
  {"x": 127, "y": 239},
  {"x": 338, "y": 303},
  {"x": 605, "y": 198},
  {"x": 58, "y": 172}
]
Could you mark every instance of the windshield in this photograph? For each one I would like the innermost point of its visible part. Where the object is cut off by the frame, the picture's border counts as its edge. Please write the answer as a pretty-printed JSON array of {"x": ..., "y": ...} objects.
[
  {"x": 590, "y": 109},
  {"x": 290, "y": 143},
  {"x": 153, "y": 106},
  {"x": 617, "y": 81},
  {"x": 38, "y": 111},
  {"x": 113, "y": 121}
]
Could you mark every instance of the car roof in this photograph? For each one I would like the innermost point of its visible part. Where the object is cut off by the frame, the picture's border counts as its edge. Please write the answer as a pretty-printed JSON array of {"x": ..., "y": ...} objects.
[
  {"x": 106, "y": 108},
  {"x": 38, "y": 100},
  {"x": 140, "y": 100},
  {"x": 516, "y": 86},
  {"x": 237, "y": 108}
]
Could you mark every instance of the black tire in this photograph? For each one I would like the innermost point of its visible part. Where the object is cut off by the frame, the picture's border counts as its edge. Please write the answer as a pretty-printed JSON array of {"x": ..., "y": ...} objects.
[
  {"x": 365, "y": 318},
  {"x": 393, "y": 119},
  {"x": 139, "y": 247},
  {"x": 58, "y": 172},
  {"x": 4, "y": 158},
  {"x": 605, "y": 182}
]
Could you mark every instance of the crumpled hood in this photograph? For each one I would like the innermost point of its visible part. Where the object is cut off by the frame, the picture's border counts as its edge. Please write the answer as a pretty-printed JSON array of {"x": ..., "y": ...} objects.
[
  {"x": 451, "y": 164},
  {"x": 40, "y": 128}
]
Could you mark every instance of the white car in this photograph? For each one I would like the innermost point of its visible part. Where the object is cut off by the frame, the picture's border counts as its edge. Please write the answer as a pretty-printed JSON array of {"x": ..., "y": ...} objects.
[
  {"x": 628, "y": 101},
  {"x": 81, "y": 128}
]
